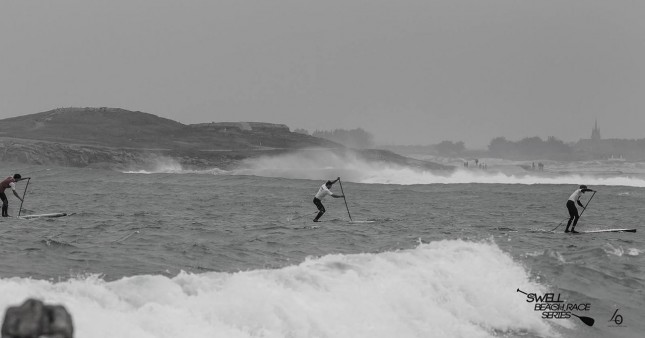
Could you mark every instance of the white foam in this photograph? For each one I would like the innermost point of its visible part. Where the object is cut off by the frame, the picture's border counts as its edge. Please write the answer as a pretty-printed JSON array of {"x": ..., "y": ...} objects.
[
  {"x": 165, "y": 165},
  {"x": 161, "y": 165},
  {"x": 441, "y": 289},
  {"x": 620, "y": 251}
]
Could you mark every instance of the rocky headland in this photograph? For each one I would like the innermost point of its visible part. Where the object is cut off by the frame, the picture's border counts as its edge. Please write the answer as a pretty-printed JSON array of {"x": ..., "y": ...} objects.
[{"x": 115, "y": 138}]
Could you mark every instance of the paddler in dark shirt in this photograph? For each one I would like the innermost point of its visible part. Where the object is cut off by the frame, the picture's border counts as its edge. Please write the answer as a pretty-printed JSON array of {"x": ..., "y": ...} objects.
[{"x": 9, "y": 182}]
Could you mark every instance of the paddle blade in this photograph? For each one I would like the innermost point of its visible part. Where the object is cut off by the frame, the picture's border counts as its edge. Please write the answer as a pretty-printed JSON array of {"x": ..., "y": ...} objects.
[{"x": 587, "y": 320}]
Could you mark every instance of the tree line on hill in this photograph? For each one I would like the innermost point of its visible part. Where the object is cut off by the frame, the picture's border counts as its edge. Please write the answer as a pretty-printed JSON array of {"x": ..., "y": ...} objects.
[{"x": 530, "y": 148}]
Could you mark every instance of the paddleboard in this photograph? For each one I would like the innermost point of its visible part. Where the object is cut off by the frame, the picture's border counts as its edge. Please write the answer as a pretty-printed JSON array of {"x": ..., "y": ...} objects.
[
  {"x": 336, "y": 220},
  {"x": 54, "y": 214},
  {"x": 607, "y": 230}
]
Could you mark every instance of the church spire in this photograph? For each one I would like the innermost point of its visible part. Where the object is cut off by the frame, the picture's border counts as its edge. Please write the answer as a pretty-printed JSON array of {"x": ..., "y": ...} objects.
[{"x": 595, "y": 133}]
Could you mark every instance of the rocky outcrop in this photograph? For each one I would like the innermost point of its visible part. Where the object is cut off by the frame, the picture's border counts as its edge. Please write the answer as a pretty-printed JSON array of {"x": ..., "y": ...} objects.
[
  {"x": 67, "y": 155},
  {"x": 85, "y": 156},
  {"x": 35, "y": 319}
]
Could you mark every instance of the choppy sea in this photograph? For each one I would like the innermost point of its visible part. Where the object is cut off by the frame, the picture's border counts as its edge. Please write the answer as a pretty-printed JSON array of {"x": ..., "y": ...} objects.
[{"x": 169, "y": 252}]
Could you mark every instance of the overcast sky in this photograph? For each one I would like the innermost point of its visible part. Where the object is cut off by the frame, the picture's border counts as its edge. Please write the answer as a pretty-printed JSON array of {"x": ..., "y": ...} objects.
[{"x": 409, "y": 72}]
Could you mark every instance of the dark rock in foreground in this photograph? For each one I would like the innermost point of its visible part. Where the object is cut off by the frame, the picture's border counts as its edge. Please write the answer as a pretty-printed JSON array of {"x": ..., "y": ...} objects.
[{"x": 34, "y": 319}]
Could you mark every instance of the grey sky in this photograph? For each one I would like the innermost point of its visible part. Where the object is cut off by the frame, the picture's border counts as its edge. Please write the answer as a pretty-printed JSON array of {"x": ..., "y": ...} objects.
[{"x": 410, "y": 72}]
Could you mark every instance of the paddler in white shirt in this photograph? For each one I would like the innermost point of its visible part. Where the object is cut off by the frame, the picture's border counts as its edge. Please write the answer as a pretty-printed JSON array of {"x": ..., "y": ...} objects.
[
  {"x": 571, "y": 206},
  {"x": 322, "y": 192}
]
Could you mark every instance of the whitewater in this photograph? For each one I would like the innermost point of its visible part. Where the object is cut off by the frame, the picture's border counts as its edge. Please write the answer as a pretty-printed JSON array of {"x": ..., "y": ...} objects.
[{"x": 172, "y": 252}]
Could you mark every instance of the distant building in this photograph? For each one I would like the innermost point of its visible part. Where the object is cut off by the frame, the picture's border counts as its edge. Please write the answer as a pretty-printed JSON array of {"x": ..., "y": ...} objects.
[{"x": 595, "y": 132}]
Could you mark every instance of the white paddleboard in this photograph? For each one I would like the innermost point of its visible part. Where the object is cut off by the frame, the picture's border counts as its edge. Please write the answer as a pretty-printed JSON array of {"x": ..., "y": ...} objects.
[
  {"x": 607, "y": 230},
  {"x": 54, "y": 214},
  {"x": 342, "y": 221}
]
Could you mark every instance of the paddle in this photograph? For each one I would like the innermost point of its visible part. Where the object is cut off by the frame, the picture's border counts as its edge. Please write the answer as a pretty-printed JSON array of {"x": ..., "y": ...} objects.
[
  {"x": 301, "y": 216},
  {"x": 587, "y": 320},
  {"x": 583, "y": 210},
  {"x": 23, "y": 196},
  {"x": 559, "y": 224},
  {"x": 342, "y": 192}
]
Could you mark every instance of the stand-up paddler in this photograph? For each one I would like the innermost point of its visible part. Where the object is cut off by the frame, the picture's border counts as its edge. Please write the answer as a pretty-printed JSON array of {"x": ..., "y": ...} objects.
[
  {"x": 322, "y": 193},
  {"x": 9, "y": 182},
  {"x": 573, "y": 210}
]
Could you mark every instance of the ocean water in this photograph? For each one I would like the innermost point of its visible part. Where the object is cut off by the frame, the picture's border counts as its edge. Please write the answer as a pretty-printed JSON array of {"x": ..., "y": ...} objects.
[{"x": 179, "y": 253}]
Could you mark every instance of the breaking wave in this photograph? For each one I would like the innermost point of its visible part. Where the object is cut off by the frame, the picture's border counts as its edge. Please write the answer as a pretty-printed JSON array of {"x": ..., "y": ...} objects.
[{"x": 440, "y": 289}]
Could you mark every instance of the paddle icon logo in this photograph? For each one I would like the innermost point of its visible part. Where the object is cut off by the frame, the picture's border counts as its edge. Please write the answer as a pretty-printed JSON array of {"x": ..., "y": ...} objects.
[
  {"x": 553, "y": 307},
  {"x": 616, "y": 319}
]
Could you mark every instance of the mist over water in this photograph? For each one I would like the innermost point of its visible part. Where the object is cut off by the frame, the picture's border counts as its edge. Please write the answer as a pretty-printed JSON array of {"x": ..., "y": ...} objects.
[{"x": 322, "y": 164}]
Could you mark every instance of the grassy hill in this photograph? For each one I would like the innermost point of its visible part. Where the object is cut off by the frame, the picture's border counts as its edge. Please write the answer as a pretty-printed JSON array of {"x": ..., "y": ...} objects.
[{"x": 112, "y": 127}]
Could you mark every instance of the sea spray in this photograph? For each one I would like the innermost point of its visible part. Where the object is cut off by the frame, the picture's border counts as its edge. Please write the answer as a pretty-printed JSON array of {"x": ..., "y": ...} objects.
[{"x": 321, "y": 164}]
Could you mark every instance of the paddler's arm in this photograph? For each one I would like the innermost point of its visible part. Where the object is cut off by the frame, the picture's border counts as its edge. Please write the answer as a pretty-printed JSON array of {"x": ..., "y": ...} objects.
[
  {"x": 584, "y": 190},
  {"x": 17, "y": 196}
]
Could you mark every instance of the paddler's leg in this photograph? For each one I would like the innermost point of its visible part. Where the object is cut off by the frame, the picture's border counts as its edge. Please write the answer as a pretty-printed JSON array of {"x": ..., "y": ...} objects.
[
  {"x": 5, "y": 204},
  {"x": 573, "y": 227},
  {"x": 321, "y": 209},
  {"x": 573, "y": 214}
]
